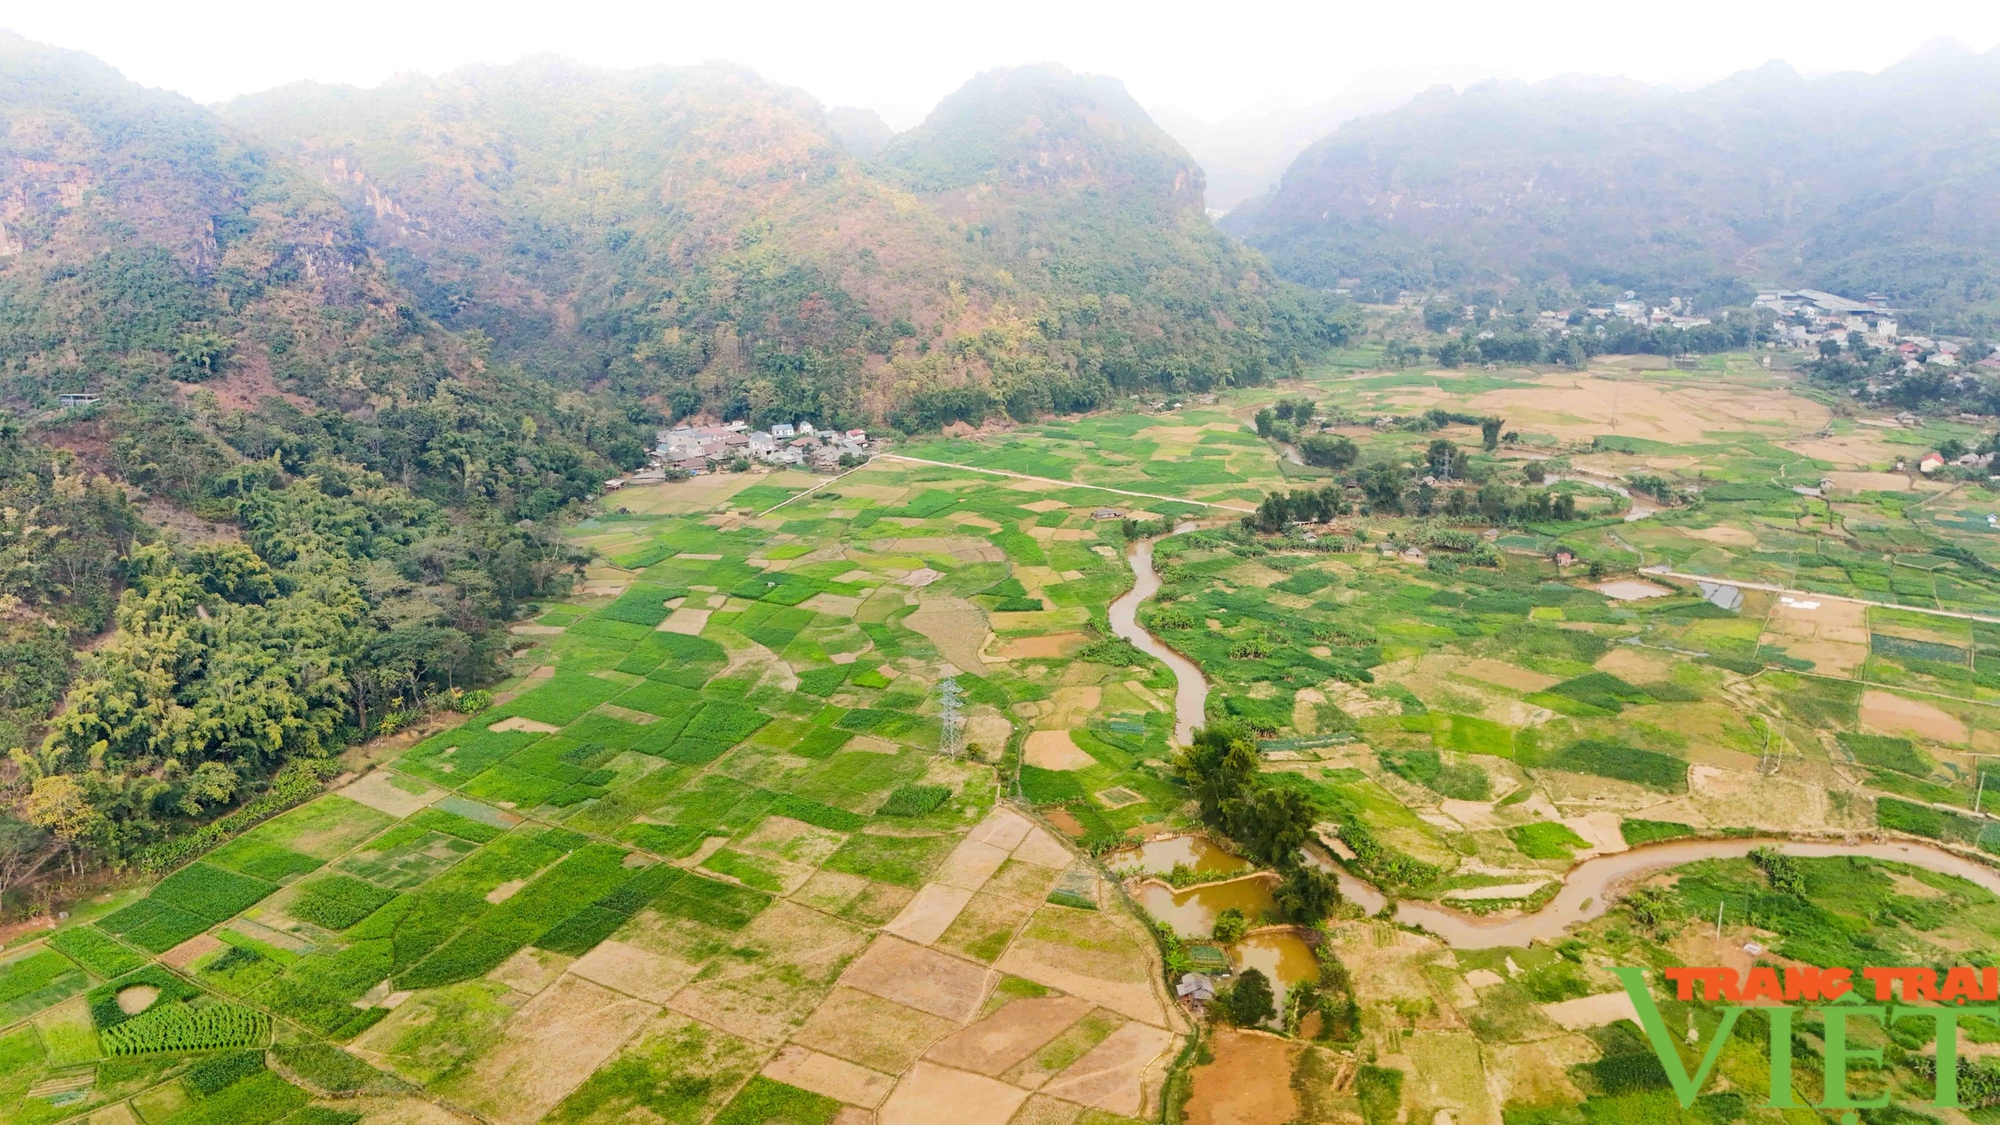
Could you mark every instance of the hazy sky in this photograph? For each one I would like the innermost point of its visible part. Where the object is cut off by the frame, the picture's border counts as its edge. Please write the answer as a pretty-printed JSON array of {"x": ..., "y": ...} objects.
[{"x": 1210, "y": 59}]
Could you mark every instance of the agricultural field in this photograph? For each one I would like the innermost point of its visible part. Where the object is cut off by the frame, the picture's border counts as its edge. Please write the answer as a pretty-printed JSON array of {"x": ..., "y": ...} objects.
[
  {"x": 819, "y": 806},
  {"x": 703, "y": 858}
]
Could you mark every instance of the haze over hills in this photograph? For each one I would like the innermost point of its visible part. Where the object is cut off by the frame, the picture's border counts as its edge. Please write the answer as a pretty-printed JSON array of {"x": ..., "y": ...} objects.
[
  {"x": 1245, "y": 154},
  {"x": 1852, "y": 182}
]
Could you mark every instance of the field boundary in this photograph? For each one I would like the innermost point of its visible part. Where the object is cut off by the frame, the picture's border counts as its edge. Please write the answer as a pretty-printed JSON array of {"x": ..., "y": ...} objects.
[
  {"x": 1775, "y": 589},
  {"x": 1063, "y": 483}
]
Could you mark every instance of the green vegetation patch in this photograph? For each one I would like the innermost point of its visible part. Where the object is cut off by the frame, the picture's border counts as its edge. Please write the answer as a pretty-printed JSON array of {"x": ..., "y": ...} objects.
[
  {"x": 260, "y": 859},
  {"x": 1545, "y": 839},
  {"x": 1638, "y": 832},
  {"x": 902, "y": 860},
  {"x": 212, "y": 1074},
  {"x": 643, "y": 604},
  {"x": 101, "y": 956},
  {"x": 257, "y": 1100},
  {"x": 764, "y": 1102},
  {"x": 1897, "y": 754},
  {"x": 915, "y": 800},
  {"x": 25, "y": 976},
  {"x": 338, "y": 901},
  {"x": 197, "y": 1025},
  {"x": 1605, "y": 758},
  {"x": 211, "y": 892},
  {"x": 152, "y": 925},
  {"x": 723, "y": 905}
]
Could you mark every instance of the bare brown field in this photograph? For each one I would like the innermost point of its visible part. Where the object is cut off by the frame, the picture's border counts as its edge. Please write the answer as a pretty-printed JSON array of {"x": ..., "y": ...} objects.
[
  {"x": 1055, "y": 750},
  {"x": 548, "y": 1049},
  {"x": 1886, "y": 713},
  {"x": 864, "y": 1028},
  {"x": 1001, "y": 1041},
  {"x": 1241, "y": 1086}
]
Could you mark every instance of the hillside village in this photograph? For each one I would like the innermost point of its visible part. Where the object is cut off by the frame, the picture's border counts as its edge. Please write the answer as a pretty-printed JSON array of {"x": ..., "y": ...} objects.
[{"x": 698, "y": 449}]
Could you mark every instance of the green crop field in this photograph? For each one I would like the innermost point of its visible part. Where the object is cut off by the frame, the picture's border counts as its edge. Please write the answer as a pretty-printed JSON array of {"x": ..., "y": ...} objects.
[{"x": 713, "y": 791}]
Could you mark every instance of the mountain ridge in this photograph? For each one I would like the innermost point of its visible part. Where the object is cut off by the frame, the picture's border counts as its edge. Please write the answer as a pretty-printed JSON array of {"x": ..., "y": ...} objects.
[{"x": 1849, "y": 181}]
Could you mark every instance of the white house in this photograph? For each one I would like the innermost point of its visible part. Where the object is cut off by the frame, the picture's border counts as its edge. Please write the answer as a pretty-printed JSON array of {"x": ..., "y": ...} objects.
[{"x": 783, "y": 430}]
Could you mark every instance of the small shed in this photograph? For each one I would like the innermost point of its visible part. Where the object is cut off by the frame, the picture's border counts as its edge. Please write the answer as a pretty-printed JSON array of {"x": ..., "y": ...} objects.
[{"x": 1195, "y": 988}]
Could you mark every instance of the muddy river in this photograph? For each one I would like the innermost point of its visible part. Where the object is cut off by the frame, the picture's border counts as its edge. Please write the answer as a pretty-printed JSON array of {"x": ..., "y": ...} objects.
[
  {"x": 1592, "y": 886},
  {"x": 1191, "y": 690}
]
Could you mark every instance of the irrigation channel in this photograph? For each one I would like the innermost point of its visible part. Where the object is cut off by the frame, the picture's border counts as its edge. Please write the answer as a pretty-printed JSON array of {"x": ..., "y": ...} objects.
[{"x": 1588, "y": 889}]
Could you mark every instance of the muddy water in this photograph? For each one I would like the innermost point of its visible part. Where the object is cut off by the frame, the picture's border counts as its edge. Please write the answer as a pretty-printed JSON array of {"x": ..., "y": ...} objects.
[
  {"x": 1192, "y": 912},
  {"x": 1642, "y": 507},
  {"x": 1157, "y": 857},
  {"x": 1191, "y": 690},
  {"x": 1279, "y": 954},
  {"x": 1590, "y": 888}
]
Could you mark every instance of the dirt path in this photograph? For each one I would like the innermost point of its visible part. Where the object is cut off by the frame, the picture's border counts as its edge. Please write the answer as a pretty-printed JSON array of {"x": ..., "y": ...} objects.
[
  {"x": 1064, "y": 483},
  {"x": 1665, "y": 573}
]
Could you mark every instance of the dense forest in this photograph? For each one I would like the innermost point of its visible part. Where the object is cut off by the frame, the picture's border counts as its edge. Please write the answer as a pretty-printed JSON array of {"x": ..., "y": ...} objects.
[
  {"x": 358, "y": 353},
  {"x": 300, "y": 506},
  {"x": 1851, "y": 183}
]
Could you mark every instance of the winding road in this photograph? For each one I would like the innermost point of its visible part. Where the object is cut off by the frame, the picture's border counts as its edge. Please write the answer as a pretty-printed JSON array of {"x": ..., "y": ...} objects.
[{"x": 1589, "y": 889}]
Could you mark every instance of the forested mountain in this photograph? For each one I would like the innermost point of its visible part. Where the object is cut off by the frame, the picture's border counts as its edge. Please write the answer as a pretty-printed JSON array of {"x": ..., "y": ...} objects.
[
  {"x": 362, "y": 469},
  {"x": 1850, "y": 182},
  {"x": 704, "y": 239},
  {"x": 357, "y": 349}
]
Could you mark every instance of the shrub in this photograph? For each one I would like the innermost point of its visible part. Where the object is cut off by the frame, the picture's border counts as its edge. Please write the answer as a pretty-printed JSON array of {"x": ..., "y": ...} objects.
[
  {"x": 1230, "y": 926},
  {"x": 915, "y": 800},
  {"x": 1248, "y": 1002},
  {"x": 210, "y": 1075},
  {"x": 338, "y": 901},
  {"x": 1116, "y": 651},
  {"x": 99, "y": 955}
]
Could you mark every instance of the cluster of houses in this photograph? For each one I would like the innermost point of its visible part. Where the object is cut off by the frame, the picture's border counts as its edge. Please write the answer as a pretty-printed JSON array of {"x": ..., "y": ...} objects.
[
  {"x": 697, "y": 449},
  {"x": 1933, "y": 461}
]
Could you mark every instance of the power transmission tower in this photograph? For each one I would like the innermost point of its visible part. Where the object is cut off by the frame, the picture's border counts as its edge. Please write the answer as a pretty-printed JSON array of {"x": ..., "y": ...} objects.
[{"x": 951, "y": 742}]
